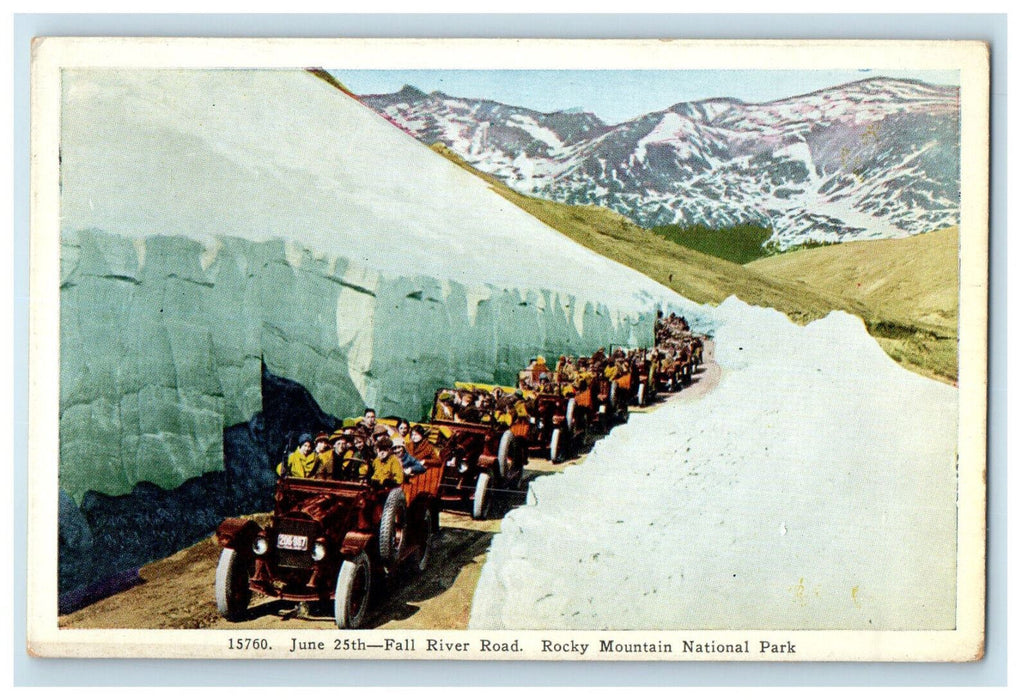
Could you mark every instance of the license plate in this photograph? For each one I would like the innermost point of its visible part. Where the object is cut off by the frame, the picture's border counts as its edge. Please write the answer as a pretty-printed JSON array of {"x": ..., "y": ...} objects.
[{"x": 298, "y": 542}]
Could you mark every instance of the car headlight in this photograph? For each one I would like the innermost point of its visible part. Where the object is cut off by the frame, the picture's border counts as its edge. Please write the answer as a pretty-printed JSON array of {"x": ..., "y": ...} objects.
[
  {"x": 318, "y": 553},
  {"x": 260, "y": 545},
  {"x": 463, "y": 467}
]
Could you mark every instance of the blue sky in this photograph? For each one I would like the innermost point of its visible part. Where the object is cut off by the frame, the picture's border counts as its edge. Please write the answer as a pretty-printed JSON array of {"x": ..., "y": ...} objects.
[{"x": 613, "y": 95}]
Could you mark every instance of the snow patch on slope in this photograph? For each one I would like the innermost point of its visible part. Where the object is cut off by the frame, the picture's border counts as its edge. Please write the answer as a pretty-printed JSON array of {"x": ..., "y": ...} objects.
[
  {"x": 142, "y": 155},
  {"x": 795, "y": 495},
  {"x": 536, "y": 131}
]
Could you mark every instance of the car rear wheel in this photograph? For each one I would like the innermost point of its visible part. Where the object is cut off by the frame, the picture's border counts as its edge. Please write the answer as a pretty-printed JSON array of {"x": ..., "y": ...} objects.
[
  {"x": 641, "y": 395},
  {"x": 480, "y": 506},
  {"x": 353, "y": 590},
  {"x": 232, "y": 585},
  {"x": 391, "y": 528},
  {"x": 425, "y": 555}
]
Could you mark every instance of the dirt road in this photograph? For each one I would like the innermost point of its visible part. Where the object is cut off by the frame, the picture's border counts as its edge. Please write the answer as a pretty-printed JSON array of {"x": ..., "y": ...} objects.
[{"x": 178, "y": 592}]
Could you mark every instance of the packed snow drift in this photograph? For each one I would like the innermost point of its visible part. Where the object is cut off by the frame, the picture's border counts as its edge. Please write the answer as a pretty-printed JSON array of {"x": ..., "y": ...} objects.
[{"x": 813, "y": 488}]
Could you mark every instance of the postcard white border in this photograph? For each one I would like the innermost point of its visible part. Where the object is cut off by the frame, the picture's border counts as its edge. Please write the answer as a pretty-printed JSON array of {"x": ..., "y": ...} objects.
[{"x": 51, "y": 55}]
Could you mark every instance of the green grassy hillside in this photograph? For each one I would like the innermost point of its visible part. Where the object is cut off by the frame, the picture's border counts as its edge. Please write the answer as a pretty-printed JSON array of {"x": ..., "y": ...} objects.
[
  {"x": 928, "y": 348},
  {"x": 739, "y": 244}
]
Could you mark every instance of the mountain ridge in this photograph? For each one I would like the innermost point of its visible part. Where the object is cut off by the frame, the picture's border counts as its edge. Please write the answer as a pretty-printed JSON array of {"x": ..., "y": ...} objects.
[{"x": 876, "y": 158}]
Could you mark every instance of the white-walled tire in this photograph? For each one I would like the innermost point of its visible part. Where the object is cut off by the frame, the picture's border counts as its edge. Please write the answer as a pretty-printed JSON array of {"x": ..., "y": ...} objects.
[
  {"x": 391, "y": 528},
  {"x": 231, "y": 585},
  {"x": 506, "y": 455},
  {"x": 569, "y": 415},
  {"x": 353, "y": 591},
  {"x": 556, "y": 453},
  {"x": 480, "y": 504},
  {"x": 641, "y": 394}
]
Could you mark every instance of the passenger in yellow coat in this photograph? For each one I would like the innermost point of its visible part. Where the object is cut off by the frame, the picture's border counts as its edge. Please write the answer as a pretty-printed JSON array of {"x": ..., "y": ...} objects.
[
  {"x": 385, "y": 468},
  {"x": 323, "y": 453},
  {"x": 303, "y": 461}
]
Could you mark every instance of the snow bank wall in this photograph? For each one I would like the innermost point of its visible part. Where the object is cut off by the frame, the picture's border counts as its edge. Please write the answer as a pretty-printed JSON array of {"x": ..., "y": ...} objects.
[
  {"x": 813, "y": 488},
  {"x": 163, "y": 339},
  {"x": 165, "y": 424}
]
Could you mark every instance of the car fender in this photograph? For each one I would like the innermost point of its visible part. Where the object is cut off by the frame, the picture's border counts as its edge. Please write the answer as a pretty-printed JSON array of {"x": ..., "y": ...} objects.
[
  {"x": 237, "y": 533},
  {"x": 354, "y": 543}
]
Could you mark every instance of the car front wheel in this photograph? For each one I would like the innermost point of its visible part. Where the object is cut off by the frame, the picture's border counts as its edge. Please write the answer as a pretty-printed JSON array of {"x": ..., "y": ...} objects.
[
  {"x": 232, "y": 585},
  {"x": 353, "y": 591},
  {"x": 392, "y": 526},
  {"x": 480, "y": 506},
  {"x": 556, "y": 447}
]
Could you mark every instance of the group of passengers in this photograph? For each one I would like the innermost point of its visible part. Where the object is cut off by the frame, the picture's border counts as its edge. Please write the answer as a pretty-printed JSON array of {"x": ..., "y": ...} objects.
[
  {"x": 675, "y": 347},
  {"x": 368, "y": 451},
  {"x": 383, "y": 453},
  {"x": 675, "y": 342},
  {"x": 476, "y": 405},
  {"x": 574, "y": 375}
]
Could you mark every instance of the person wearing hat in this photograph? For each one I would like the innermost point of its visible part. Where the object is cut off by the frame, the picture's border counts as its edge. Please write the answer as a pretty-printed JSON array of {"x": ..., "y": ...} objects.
[
  {"x": 410, "y": 465},
  {"x": 503, "y": 413},
  {"x": 363, "y": 447},
  {"x": 385, "y": 469},
  {"x": 422, "y": 449},
  {"x": 323, "y": 455},
  {"x": 342, "y": 450},
  {"x": 444, "y": 408},
  {"x": 466, "y": 411},
  {"x": 303, "y": 462},
  {"x": 520, "y": 408},
  {"x": 539, "y": 369}
]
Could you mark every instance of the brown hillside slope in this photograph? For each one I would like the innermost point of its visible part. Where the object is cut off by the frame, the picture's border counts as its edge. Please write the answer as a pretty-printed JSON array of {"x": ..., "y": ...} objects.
[{"x": 909, "y": 278}]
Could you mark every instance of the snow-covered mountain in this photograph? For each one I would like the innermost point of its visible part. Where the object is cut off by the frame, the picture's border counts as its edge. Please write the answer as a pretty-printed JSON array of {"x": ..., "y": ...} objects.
[{"x": 877, "y": 158}]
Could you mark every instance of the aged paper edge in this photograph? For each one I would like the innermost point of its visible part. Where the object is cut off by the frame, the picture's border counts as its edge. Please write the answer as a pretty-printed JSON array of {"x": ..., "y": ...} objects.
[{"x": 51, "y": 55}]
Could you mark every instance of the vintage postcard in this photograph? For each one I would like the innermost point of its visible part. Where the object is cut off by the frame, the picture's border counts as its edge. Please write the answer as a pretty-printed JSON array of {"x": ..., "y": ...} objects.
[{"x": 508, "y": 349}]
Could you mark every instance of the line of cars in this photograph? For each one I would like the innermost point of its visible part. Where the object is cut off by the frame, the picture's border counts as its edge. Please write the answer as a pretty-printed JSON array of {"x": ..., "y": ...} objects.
[{"x": 334, "y": 540}]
